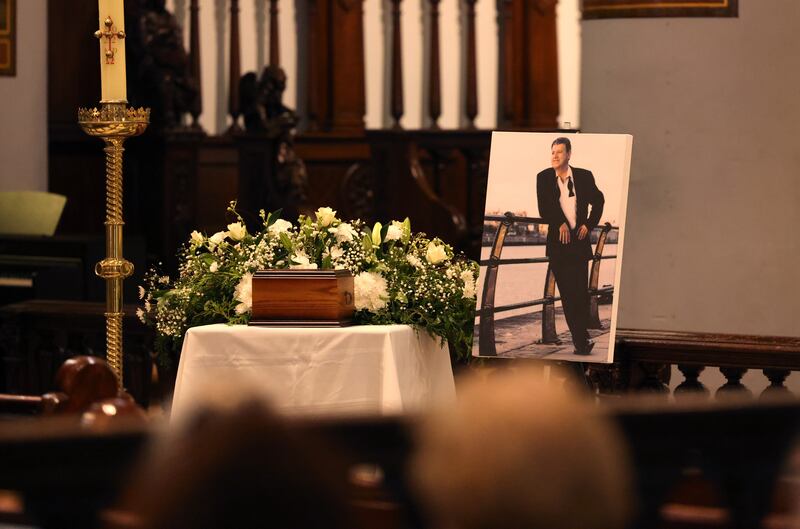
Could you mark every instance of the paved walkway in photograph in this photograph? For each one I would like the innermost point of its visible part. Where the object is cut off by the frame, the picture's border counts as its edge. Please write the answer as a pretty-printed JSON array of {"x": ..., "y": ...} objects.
[{"x": 517, "y": 337}]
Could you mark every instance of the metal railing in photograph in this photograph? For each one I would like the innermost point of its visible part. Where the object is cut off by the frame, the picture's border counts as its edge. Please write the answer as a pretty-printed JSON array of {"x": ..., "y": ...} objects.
[{"x": 486, "y": 329}]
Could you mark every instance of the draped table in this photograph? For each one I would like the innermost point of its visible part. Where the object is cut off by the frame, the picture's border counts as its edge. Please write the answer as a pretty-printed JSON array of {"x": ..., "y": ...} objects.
[{"x": 377, "y": 369}]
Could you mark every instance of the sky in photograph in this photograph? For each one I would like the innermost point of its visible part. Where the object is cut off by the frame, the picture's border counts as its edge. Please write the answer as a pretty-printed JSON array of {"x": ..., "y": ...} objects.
[{"x": 517, "y": 157}]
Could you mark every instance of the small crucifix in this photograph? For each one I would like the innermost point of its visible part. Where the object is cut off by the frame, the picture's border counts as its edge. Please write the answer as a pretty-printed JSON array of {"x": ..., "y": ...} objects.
[{"x": 110, "y": 33}]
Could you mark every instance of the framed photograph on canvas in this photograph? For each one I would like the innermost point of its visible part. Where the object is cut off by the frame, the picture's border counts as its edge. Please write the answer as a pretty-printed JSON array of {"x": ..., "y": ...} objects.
[
  {"x": 8, "y": 22},
  {"x": 594, "y": 9},
  {"x": 551, "y": 254}
]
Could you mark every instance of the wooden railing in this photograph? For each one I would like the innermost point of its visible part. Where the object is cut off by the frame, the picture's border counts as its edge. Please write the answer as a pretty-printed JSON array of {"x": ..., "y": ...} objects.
[
  {"x": 644, "y": 361},
  {"x": 488, "y": 309},
  {"x": 527, "y": 80}
]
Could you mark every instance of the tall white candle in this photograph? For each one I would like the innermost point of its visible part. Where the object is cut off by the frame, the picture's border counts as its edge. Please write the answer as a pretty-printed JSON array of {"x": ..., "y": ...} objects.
[{"x": 112, "y": 50}]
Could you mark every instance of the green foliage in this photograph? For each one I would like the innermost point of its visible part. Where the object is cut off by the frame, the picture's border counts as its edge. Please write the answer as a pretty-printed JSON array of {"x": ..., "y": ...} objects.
[{"x": 400, "y": 277}]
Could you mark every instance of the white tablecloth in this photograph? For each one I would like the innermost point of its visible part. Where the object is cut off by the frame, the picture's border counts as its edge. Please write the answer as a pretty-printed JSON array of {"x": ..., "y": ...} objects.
[{"x": 385, "y": 369}]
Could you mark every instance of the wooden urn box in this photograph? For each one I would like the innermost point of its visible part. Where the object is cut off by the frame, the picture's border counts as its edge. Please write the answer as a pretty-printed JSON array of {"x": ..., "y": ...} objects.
[{"x": 305, "y": 298}]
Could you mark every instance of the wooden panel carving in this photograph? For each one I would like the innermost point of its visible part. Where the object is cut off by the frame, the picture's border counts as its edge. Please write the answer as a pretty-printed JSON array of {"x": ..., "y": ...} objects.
[
  {"x": 593, "y": 9},
  {"x": 336, "y": 86},
  {"x": 528, "y": 63},
  {"x": 8, "y": 32}
]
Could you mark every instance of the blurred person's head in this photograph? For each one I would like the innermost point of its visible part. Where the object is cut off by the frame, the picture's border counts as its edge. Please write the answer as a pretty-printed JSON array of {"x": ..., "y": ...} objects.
[
  {"x": 519, "y": 453},
  {"x": 244, "y": 469}
]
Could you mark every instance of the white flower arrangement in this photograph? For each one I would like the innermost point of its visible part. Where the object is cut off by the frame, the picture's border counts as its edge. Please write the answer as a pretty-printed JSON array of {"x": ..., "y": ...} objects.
[{"x": 399, "y": 277}]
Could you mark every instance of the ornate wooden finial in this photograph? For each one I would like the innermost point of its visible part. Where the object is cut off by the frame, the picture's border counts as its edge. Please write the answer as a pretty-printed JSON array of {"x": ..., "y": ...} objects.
[{"x": 111, "y": 34}]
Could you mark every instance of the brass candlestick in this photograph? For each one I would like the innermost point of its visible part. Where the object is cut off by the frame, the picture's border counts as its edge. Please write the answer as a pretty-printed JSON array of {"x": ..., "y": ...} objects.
[{"x": 113, "y": 123}]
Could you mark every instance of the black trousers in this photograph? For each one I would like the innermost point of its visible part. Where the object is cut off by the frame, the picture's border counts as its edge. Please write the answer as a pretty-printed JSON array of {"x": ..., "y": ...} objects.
[{"x": 572, "y": 279}]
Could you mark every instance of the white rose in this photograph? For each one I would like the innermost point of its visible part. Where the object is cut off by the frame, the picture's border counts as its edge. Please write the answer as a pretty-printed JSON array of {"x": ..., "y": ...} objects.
[
  {"x": 243, "y": 293},
  {"x": 237, "y": 231},
  {"x": 217, "y": 238},
  {"x": 196, "y": 238},
  {"x": 395, "y": 231},
  {"x": 370, "y": 291},
  {"x": 214, "y": 267},
  {"x": 302, "y": 262},
  {"x": 435, "y": 253},
  {"x": 325, "y": 216},
  {"x": 279, "y": 226},
  {"x": 344, "y": 232}
]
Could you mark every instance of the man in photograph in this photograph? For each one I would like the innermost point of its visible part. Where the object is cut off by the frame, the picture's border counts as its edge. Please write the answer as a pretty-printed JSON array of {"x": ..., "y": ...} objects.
[{"x": 571, "y": 205}]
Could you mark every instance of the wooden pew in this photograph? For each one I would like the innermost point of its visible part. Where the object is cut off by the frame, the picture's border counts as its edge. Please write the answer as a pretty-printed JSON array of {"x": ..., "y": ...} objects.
[
  {"x": 37, "y": 336},
  {"x": 710, "y": 464},
  {"x": 50, "y": 461},
  {"x": 698, "y": 465},
  {"x": 65, "y": 473},
  {"x": 81, "y": 381},
  {"x": 682, "y": 454}
]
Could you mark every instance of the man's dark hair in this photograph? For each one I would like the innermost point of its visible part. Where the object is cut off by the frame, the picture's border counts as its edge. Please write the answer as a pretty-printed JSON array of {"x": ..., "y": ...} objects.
[{"x": 562, "y": 141}]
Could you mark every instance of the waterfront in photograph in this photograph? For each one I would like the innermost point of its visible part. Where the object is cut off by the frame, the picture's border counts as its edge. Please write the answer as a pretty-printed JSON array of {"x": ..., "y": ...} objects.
[
  {"x": 517, "y": 332},
  {"x": 523, "y": 282}
]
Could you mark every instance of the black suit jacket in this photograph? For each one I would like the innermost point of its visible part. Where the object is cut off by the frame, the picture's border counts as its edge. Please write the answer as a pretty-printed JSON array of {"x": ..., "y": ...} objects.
[{"x": 587, "y": 194}]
